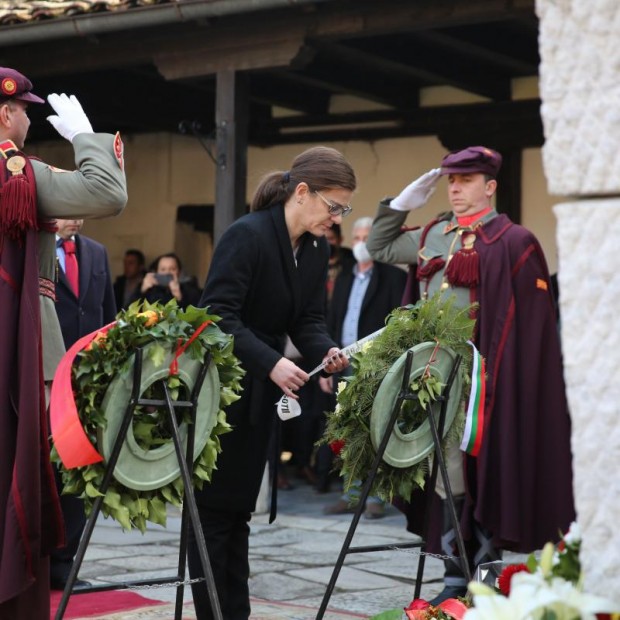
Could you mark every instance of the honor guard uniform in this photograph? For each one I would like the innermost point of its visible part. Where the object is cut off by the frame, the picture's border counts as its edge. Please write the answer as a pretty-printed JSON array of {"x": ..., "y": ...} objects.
[
  {"x": 31, "y": 345},
  {"x": 481, "y": 257}
]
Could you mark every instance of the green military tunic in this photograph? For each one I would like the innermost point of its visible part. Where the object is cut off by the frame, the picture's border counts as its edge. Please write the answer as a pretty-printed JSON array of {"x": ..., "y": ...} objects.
[
  {"x": 96, "y": 189},
  {"x": 388, "y": 244}
]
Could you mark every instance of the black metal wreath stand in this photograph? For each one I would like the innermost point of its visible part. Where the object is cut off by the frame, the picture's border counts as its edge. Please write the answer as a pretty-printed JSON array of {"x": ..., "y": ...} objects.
[
  {"x": 189, "y": 512},
  {"x": 438, "y": 463}
]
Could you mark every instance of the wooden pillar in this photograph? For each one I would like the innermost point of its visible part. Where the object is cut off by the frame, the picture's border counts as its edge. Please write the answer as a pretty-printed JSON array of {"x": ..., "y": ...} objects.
[
  {"x": 508, "y": 199},
  {"x": 231, "y": 122}
]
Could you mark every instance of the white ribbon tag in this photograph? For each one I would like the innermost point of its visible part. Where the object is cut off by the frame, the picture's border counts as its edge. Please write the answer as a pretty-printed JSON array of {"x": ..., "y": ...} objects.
[{"x": 287, "y": 408}]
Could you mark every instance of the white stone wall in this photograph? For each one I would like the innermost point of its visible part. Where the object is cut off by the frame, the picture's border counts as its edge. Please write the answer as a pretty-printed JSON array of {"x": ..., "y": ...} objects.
[
  {"x": 589, "y": 281},
  {"x": 580, "y": 90}
]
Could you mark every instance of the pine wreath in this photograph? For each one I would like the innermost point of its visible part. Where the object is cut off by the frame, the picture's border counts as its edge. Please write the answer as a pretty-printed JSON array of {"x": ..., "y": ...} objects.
[
  {"x": 348, "y": 426},
  {"x": 155, "y": 328}
]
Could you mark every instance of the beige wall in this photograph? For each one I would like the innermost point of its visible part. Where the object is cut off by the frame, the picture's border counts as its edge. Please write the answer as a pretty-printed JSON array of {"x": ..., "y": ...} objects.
[{"x": 167, "y": 170}]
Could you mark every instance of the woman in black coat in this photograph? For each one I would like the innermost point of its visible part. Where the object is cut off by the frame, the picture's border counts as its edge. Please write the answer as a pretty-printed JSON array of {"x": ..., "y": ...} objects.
[{"x": 266, "y": 280}]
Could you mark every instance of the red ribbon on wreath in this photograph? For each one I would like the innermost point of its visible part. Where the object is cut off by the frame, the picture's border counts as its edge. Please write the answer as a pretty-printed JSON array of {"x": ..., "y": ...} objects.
[
  {"x": 71, "y": 442},
  {"x": 419, "y": 609},
  {"x": 174, "y": 364}
]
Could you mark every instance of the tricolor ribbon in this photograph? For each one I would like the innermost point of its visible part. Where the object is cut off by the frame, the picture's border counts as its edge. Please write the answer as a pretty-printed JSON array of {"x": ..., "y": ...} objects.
[
  {"x": 72, "y": 443},
  {"x": 474, "y": 422}
]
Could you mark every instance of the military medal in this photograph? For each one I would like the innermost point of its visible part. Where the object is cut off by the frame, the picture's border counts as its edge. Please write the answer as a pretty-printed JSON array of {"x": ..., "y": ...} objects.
[
  {"x": 468, "y": 241},
  {"x": 16, "y": 164}
]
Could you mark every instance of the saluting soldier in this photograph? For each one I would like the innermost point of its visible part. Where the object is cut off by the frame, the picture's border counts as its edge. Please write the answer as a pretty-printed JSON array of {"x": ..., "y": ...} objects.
[
  {"x": 31, "y": 345},
  {"x": 515, "y": 492}
]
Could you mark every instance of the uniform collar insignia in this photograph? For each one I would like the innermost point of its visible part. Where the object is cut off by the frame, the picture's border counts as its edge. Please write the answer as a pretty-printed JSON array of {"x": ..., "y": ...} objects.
[{"x": 7, "y": 148}]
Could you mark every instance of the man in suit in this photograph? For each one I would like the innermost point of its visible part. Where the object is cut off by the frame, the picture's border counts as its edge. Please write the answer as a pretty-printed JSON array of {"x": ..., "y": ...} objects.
[
  {"x": 363, "y": 296},
  {"x": 84, "y": 302},
  {"x": 127, "y": 285}
]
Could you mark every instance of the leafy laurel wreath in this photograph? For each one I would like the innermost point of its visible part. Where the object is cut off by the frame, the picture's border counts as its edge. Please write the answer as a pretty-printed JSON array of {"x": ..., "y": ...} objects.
[
  {"x": 348, "y": 426},
  {"x": 110, "y": 353}
]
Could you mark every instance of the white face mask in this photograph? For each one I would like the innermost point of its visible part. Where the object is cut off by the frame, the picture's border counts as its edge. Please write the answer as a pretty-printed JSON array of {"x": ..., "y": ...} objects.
[{"x": 361, "y": 252}]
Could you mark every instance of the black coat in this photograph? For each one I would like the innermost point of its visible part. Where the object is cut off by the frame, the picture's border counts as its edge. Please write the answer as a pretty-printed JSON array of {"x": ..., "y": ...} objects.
[
  {"x": 384, "y": 293},
  {"x": 261, "y": 295},
  {"x": 95, "y": 306}
]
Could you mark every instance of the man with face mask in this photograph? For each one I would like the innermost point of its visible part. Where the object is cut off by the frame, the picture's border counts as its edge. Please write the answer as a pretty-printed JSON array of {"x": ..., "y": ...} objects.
[{"x": 362, "y": 297}]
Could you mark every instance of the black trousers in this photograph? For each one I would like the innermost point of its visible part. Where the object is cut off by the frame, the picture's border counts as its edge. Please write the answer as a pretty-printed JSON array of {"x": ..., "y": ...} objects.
[{"x": 227, "y": 535}]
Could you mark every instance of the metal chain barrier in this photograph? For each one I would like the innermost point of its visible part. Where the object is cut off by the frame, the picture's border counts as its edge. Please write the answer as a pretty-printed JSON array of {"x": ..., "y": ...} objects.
[
  {"x": 416, "y": 552},
  {"x": 168, "y": 584}
]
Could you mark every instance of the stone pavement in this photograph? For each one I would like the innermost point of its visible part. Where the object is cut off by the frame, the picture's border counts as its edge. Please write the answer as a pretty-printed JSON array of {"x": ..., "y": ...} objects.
[{"x": 291, "y": 560}]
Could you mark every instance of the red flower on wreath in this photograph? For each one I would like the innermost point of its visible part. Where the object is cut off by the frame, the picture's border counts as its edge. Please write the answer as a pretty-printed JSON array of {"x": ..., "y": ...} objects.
[
  {"x": 503, "y": 580},
  {"x": 337, "y": 446}
]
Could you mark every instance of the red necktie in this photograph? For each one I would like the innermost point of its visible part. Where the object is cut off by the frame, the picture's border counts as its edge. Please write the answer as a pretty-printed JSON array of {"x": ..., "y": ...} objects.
[{"x": 71, "y": 265}]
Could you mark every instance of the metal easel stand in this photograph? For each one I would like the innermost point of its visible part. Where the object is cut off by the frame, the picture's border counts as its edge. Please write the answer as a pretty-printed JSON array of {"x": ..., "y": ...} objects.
[
  {"x": 438, "y": 462},
  {"x": 189, "y": 502}
]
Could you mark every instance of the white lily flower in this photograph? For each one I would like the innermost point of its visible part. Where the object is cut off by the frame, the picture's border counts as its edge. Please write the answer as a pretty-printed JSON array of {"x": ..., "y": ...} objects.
[
  {"x": 546, "y": 559},
  {"x": 573, "y": 536},
  {"x": 341, "y": 386},
  {"x": 532, "y": 597},
  {"x": 493, "y": 607}
]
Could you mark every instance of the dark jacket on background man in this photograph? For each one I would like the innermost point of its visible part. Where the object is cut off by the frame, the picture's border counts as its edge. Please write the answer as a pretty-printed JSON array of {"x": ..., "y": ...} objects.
[
  {"x": 95, "y": 306},
  {"x": 384, "y": 293}
]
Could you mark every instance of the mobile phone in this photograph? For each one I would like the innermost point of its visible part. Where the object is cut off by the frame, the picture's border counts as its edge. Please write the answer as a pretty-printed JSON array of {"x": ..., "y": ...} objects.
[{"x": 163, "y": 279}]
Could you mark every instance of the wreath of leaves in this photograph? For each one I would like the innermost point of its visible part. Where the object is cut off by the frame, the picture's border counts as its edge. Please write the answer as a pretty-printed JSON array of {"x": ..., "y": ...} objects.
[
  {"x": 348, "y": 426},
  {"x": 110, "y": 353}
]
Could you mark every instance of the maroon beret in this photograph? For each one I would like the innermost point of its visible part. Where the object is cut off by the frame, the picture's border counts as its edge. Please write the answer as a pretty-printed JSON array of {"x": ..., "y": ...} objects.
[
  {"x": 472, "y": 159},
  {"x": 14, "y": 85}
]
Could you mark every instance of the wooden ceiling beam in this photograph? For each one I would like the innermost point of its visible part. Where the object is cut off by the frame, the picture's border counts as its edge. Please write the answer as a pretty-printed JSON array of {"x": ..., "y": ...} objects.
[
  {"x": 405, "y": 77},
  {"x": 329, "y": 21},
  {"x": 498, "y": 122},
  {"x": 276, "y": 89},
  {"x": 476, "y": 53}
]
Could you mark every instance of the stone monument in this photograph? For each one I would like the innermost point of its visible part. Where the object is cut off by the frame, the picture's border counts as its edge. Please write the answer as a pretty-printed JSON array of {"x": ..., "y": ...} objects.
[{"x": 580, "y": 90}]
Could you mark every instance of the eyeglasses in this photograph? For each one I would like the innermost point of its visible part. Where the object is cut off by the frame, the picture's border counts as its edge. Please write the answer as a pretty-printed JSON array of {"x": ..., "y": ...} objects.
[{"x": 333, "y": 207}]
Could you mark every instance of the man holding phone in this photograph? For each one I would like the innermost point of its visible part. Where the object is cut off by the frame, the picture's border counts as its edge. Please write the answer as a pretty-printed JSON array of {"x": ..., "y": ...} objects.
[{"x": 165, "y": 282}]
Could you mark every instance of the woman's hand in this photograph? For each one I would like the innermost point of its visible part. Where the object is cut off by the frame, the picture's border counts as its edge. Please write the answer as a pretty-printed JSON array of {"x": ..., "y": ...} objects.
[
  {"x": 335, "y": 361},
  {"x": 148, "y": 282},
  {"x": 288, "y": 377},
  {"x": 175, "y": 288}
]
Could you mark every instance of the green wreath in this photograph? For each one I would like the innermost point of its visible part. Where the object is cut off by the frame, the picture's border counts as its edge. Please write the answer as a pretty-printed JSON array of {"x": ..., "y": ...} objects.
[
  {"x": 348, "y": 429},
  {"x": 159, "y": 330}
]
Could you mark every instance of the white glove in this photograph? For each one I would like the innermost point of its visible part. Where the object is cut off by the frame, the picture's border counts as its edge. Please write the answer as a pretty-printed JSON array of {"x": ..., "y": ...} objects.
[
  {"x": 416, "y": 194},
  {"x": 70, "y": 119}
]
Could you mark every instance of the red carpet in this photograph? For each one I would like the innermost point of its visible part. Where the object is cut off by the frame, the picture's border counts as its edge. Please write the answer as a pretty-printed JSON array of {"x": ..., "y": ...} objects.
[
  {"x": 98, "y": 603},
  {"x": 125, "y": 605}
]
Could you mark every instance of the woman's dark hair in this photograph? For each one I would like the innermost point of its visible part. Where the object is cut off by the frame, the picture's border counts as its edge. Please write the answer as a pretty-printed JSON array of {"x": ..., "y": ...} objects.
[
  {"x": 321, "y": 167},
  {"x": 155, "y": 264}
]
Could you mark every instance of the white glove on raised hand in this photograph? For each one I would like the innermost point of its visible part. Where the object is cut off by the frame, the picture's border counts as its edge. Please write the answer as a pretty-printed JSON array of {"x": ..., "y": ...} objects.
[
  {"x": 416, "y": 194},
  {"x": 70, "y": 119}
]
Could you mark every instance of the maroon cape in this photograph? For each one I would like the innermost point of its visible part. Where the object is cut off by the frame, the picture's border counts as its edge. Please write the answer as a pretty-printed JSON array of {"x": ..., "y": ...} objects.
[
  {"x": 520, "y": 485},
  {"x": 30, "y": 521}
]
